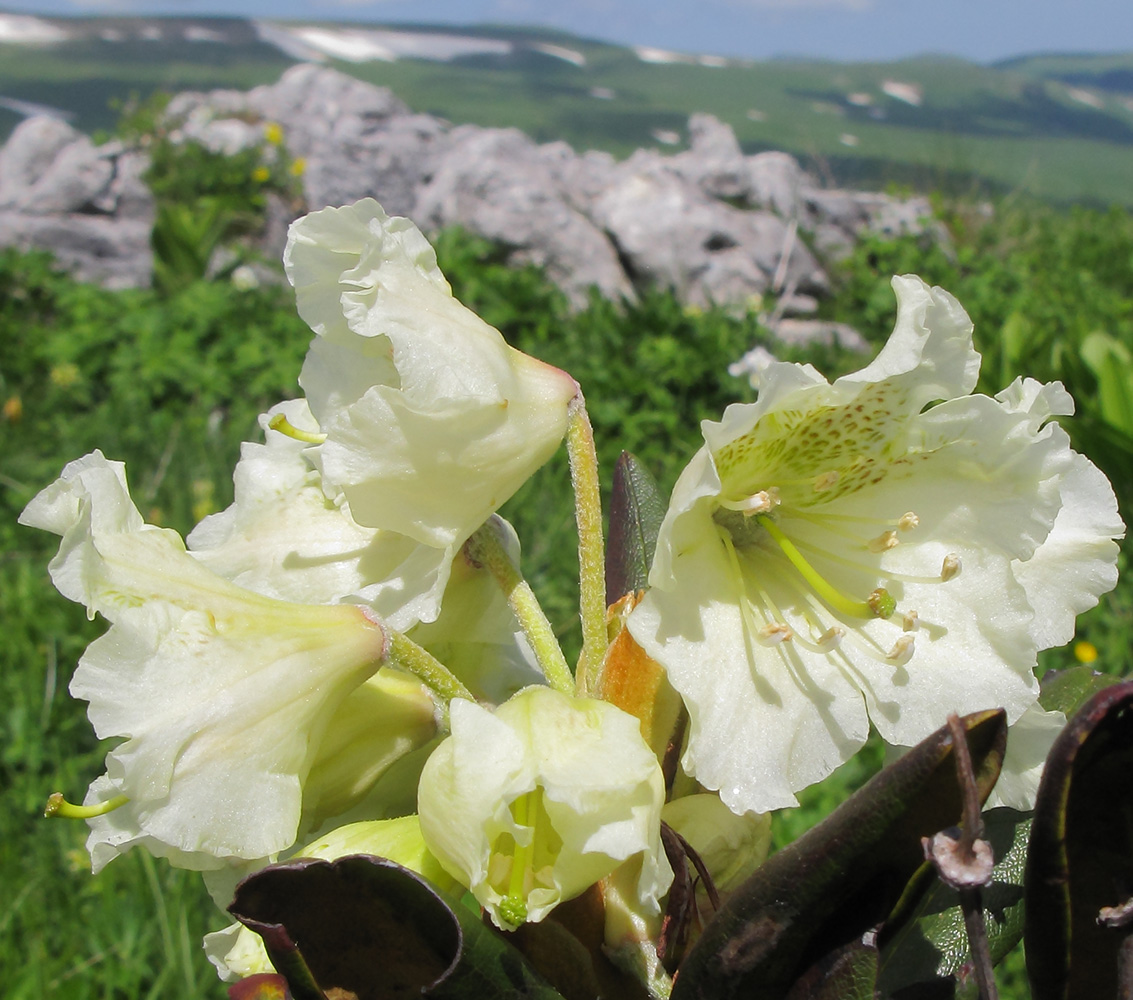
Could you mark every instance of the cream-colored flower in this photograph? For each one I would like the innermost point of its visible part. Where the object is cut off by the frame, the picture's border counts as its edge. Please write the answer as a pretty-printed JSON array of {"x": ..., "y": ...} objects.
[
  {"x": 220, "y": 694},
  {"x": 1029, "y": 741},
  {"x": 534, "y": 802},
  {"x": 887, "y": 548},
  {"x": 284, "y": 537},
  {"x": 431, "y": 420}
]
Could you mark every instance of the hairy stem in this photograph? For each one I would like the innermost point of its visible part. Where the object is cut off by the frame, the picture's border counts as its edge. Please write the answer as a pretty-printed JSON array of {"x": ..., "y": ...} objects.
[
  {"x": 591, "y": 548},
  {"x": 485, "y": 549}
]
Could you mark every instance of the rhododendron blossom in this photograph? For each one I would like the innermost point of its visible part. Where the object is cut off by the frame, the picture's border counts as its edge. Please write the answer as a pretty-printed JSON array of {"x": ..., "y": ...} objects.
[
  {"x": 534, "y": 802},
  {"x": 431, "y": 420},
  {"x": 885, "y": 549}
]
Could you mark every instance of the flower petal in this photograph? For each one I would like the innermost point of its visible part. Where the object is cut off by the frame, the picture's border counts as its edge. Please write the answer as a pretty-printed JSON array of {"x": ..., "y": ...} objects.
[{"x": 432, "y": 420}]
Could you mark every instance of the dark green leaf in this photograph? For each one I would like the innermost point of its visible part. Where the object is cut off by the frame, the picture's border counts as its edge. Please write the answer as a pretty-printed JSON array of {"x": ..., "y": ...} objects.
[
  {"x": 1080, "y": 857},
  {"x": 1068, "y": 690},
  {"x": 636, "y": 511},
  {"x": 927, "y": 955},
  {"x": 847, "y": 973},
  {"x": 840, "y": 879},
  {"x": 369, "y": 927}
]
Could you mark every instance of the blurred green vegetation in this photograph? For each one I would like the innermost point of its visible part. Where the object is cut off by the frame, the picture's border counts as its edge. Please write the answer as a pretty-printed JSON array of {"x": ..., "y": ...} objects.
[{"x": 171, "y": 380}]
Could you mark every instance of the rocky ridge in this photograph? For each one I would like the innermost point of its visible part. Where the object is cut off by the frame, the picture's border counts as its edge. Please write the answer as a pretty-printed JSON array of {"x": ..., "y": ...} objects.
[{"x": 711, "y": 223}]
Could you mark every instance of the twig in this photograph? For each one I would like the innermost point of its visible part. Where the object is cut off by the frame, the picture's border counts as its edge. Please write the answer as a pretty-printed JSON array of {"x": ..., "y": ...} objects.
[{"x": 964, "y": 861}]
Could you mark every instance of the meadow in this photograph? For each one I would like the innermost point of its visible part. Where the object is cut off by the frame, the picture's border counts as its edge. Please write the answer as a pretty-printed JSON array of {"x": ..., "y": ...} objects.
[{"x": 171, "y": 380}]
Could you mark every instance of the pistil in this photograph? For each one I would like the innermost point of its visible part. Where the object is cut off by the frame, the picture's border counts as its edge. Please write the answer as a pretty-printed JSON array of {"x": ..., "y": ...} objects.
[
  {"x": 280, "y": 423},
  {"x": 59, "y": 806},
  {"x": 512, "y": 907},
  {"x": 880, "y": 603}
]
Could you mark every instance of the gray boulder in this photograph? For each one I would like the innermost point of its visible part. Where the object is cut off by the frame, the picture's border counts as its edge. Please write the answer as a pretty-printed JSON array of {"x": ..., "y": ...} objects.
[
  {"x": 839, "y": 218},
  {"x": 774, "y": 182},
  {"x": 714, "y": 161},
  {"x": 670, "y": 232},
  {"x": 85, "y": 203},
  {"x": 497, "y": 183},
  {"x": 710, "y": 223},
  {"x": 355, "y": 139}
]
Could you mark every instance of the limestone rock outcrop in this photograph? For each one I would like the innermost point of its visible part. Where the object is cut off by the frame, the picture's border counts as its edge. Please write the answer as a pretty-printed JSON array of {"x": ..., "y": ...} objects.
[
  {"x": 711, "y": 223},
  {"x": 86, "y": 204}
]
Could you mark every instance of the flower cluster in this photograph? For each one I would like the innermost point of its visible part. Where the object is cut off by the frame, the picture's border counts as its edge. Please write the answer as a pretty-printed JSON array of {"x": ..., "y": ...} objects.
[{"x": 348, "y": 658}]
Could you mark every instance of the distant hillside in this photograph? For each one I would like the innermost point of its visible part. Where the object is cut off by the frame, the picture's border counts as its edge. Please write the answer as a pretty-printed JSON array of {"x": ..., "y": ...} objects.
[{"x": 1056, "y": 126}]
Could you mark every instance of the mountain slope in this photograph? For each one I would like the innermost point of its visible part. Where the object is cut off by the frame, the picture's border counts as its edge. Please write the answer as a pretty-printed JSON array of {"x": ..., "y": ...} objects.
[{"x": 1059, "y": 127}]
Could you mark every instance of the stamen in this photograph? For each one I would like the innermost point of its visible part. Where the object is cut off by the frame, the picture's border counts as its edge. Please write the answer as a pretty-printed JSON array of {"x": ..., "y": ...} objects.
[
  {"x": 908, "y": 521},
  {"x": 865, "y": 567},
  {"x": 737, "y": 573},
  {"x": 59, "y": 806},
  {"x": 280, "y": 423},
  {"x": 883, "y": 542},
  {"x": 775, "y": 633},
  {"x": 757, "y": 503},
  {"x": 902, "y": 651},
  {"x": 831, "y": 638},
  {"x": 882, "y": 603},
  {"x": 829, "y": 641},
  {"x": 826, "y": 480},
  {"x": 911, "y": 622},
  {"x": 827, "y": 520},
  {"x": 951, "y": 566},
  {"x": 879, "y": 605}
]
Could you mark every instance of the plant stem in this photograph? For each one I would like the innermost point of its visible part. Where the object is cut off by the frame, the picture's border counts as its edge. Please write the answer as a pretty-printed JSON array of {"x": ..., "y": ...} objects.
[
  {"x": 591, "y": 549},
  {"x": 971, "y": 899},
  {"x": 485, "y": 549},
  {"x": 406, "y": 655}
]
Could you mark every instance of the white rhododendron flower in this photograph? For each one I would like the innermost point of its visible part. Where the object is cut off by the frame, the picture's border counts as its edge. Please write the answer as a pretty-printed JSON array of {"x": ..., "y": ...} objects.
[
  {"x": 887, "y": 548},
  {"x": 378, "y": 723},
  {"x": 431, "y": 420},
  {"x": 283, "y": 537},
  {"x": 221, "y": 695},
  {"x": 531, "y": 804}
]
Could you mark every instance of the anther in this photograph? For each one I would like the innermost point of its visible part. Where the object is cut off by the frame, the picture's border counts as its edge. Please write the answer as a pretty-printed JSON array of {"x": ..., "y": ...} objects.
[
  {"x": 908, "y": 521},
  {"x": 911, "y": 622},
  {"x": 774, "y": 633},
  {"x": 882, "y": 603},
  {"x": 950, "y": 567},
  {"x": 902, "y": 651},
  {"x": 883, "y": 542},
  {"x": 280, "y": 423},
  {"x": 825, "y": 481},
  {"x": 758, "y": 503},
  {"x": 831, "y": 639}
]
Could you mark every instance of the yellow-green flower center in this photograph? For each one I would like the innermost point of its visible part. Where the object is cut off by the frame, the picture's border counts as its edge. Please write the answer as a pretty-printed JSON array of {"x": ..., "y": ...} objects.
[{"x": 517, "y": 868}]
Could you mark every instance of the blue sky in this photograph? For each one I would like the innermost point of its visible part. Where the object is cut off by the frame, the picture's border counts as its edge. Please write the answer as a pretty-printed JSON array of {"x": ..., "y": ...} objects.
[{"x": 981, "y": 30}]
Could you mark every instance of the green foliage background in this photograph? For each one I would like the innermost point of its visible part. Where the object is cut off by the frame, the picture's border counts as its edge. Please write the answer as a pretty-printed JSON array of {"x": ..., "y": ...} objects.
[{"x": 170, "y": 380}]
